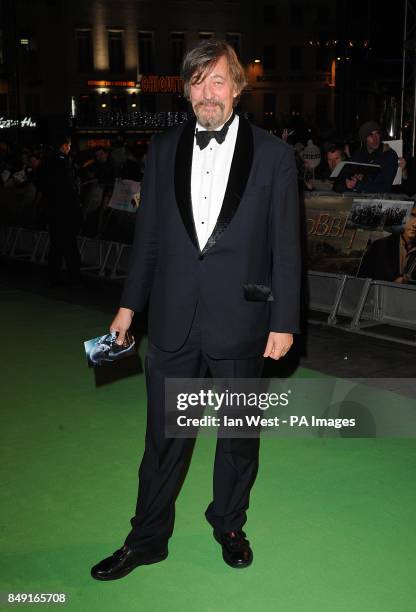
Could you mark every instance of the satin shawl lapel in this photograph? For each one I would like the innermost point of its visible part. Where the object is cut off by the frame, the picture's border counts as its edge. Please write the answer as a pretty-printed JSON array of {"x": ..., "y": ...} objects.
[
  {"x": 237, "y": 181},
  {"x": 183, "y": 167}
]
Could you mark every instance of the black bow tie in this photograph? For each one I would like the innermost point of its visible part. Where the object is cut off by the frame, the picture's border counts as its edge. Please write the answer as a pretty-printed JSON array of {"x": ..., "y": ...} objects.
[{"x": 203, "y": 137}]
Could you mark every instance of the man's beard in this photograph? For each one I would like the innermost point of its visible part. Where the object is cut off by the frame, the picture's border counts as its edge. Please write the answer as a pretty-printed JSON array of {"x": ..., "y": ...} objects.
[{"x": 211, "y": 118}]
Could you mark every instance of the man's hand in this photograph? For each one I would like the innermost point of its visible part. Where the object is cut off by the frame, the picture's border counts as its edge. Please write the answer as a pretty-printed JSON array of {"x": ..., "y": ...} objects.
[
  {"x": 351, "y": 182},
  {"x": 121, "y": 323},
  {"x": 403, "y": 279},
  {"x": 403, "y": 166},
  {"x": 278, "y": 344},
  {"x": 285, "y": 134}
]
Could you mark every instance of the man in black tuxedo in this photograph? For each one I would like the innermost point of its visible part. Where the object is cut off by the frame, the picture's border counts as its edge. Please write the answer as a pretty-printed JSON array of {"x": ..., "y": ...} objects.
[{"x": 216, "y": 251}]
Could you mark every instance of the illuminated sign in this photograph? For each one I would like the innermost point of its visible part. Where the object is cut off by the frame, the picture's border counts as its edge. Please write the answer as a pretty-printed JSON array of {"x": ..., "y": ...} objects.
[
  {"x": 9, "y": 123},
  {"x": 161, "y": 84},
  {"x": 147, "y": 84},
  {"x": 112, "y": 83}
]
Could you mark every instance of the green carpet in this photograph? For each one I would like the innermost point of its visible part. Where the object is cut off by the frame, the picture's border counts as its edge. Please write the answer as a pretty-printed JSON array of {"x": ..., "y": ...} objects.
[{"x": 332, "y": 521}]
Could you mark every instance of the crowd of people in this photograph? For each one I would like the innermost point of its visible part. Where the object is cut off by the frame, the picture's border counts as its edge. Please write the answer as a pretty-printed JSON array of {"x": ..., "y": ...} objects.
[
  {"x": 71, "y": 188},
  {"x": 316, "y": 162},
  {"x": 31, "y": 165},
  {"x": 70, "y": 191},
  {"x": 314, "y": 171}
]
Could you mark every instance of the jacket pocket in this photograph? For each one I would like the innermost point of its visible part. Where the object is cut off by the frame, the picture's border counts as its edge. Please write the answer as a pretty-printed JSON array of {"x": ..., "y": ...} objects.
[{"x": 258, "y": 293}]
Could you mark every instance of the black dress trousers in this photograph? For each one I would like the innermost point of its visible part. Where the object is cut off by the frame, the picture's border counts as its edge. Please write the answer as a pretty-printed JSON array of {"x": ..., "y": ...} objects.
[{"x": 165, "y": 460}]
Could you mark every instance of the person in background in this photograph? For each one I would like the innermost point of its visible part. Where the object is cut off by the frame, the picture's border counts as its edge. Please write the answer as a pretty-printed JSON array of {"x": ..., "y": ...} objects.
[
  {"x": 118, "y": 154},
  {"x": 130, "y": 168},
  {"x": 371, "y": 151},
  {"x": 408, "y": 184},
  {"x": 103, "y": 168},
  {"x": 333, "y": 156},
  {"x": 63, "y": 211},
  {"x": 392, "y": 258},
  {"x": 34, "y": 173}
]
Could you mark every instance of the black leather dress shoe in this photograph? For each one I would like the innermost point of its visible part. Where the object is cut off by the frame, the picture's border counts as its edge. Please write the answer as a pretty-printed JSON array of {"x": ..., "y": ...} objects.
[
  {"x": 236, "y": 549},
  {"x": 123, "y": 561}
]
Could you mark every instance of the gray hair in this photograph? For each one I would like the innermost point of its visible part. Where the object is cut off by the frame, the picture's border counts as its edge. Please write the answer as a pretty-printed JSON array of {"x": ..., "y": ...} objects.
[{"x": 202, "y": 57}]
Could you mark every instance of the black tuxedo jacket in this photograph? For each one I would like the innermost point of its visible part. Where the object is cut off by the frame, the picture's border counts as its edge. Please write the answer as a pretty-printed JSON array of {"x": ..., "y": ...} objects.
[{"x": 246, "y": 280}]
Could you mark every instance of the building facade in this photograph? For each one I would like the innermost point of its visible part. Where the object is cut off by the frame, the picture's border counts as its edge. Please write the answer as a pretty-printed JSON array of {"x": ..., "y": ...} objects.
[{"x": 111, "y": 65}]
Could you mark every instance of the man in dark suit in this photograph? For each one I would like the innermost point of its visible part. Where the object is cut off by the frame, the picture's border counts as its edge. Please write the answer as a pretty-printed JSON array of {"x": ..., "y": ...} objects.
[
  {"x": 58, "y": 186},
  {"x": 216, "y": 250}
]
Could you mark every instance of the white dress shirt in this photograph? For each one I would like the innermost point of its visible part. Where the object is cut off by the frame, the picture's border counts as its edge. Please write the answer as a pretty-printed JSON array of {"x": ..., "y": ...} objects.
[{"x": 209, "y": 178}]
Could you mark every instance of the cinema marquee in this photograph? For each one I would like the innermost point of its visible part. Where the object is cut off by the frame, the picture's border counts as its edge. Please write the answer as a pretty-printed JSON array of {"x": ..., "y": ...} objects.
[{"x": 161, "y": 84}]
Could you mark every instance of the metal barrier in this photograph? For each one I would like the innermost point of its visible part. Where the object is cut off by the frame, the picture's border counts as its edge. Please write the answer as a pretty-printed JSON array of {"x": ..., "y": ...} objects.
[
  {"x": 93, "y": 254},
  {"x": 40, "y": 250},
  {"x": 394, "y": 306},
  {"x": 122, "y": 262},
  {"x": 7, "y": 235},
  {"x": 24, "y": 243},
  {"x": 340, "y": 295},
  {"x": 374, "y": 308},
  {"x": 107, "y": 259}
]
